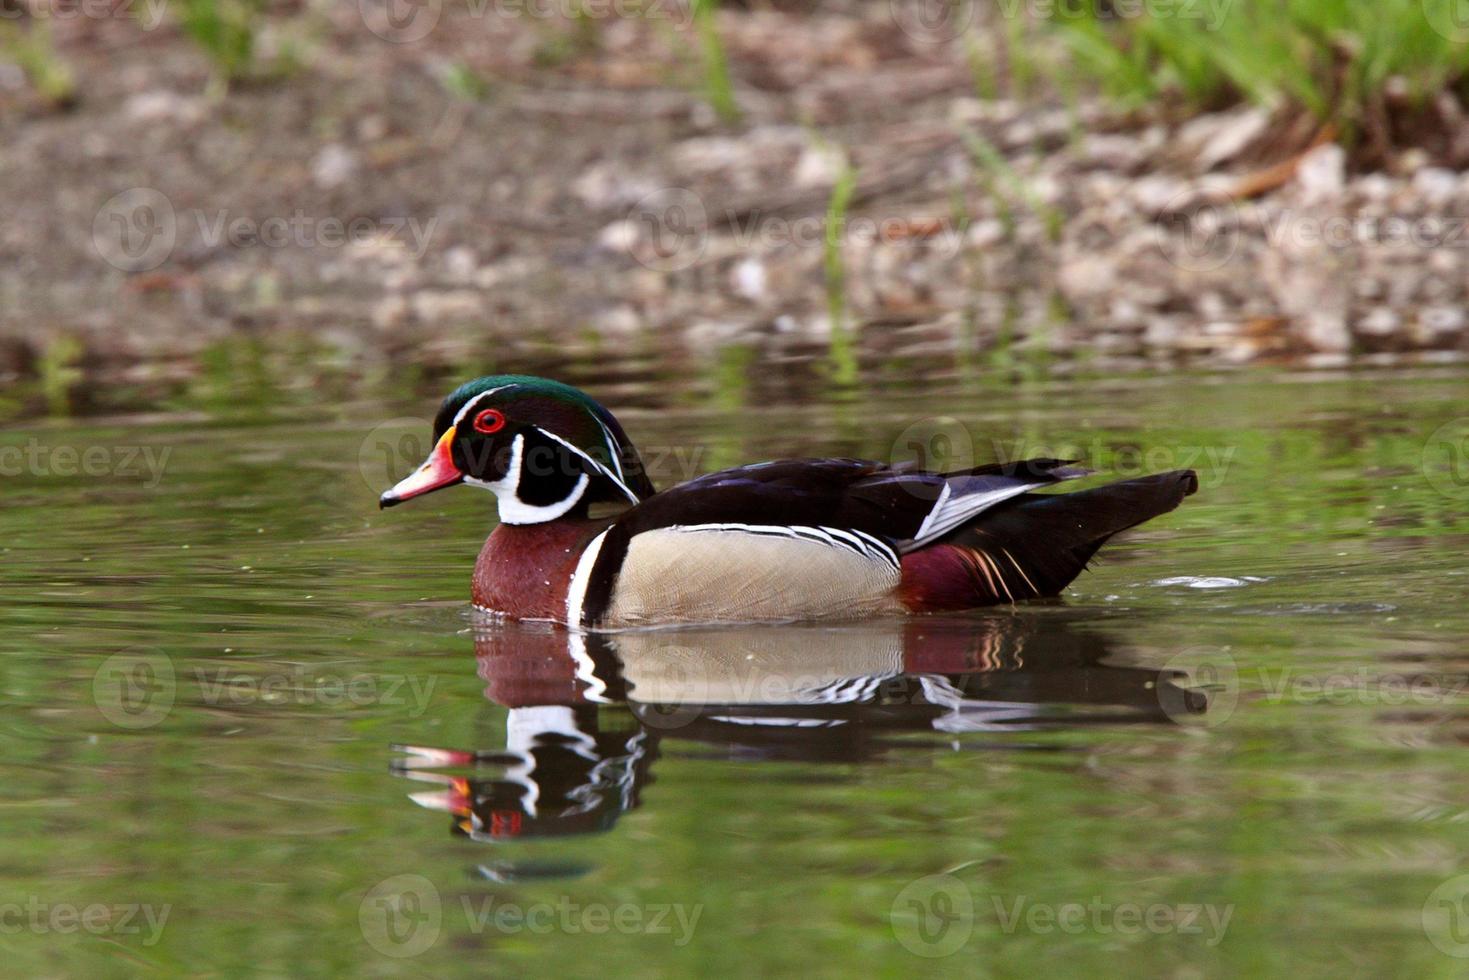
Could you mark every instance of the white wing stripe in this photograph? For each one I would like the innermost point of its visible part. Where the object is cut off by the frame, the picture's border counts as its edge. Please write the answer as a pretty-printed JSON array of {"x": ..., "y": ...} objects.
[
  {"x": 949, "y": 512},
  {"x": 857, "y": 542}
]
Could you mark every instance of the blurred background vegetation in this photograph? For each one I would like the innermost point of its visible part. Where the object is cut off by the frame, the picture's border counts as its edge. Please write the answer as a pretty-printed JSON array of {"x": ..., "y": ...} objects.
[{"x": 1098, "y": 185}]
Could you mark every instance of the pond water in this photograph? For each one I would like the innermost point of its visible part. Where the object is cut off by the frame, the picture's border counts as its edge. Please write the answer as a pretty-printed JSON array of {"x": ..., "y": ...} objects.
[{"x": 250, "y": 727}]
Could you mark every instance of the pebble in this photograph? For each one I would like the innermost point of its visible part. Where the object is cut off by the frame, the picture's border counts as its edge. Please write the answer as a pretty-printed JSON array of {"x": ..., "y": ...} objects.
[
  {"x": 1379, "y": 322},
  {"x": 1225, "y": 135},
  {"x": 1442, "y": 319},
  {"x": 1321, "y": 174},
  {"x": 161, "y": 105},
  {"x": 333, "y": 166},
  {"x": 1436, "y": 185}
]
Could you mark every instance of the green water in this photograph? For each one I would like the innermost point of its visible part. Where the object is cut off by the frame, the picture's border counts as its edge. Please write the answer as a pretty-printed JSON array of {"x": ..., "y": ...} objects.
[{"x": 1236, "y": 746}]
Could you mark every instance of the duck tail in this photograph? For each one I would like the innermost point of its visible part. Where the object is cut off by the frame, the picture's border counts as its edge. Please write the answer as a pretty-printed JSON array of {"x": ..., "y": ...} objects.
[{"x": 1035, "y": 545}]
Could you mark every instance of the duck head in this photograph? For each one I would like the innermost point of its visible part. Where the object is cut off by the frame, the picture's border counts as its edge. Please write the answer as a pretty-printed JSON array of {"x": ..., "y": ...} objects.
[{"x": 544, "y": 448}]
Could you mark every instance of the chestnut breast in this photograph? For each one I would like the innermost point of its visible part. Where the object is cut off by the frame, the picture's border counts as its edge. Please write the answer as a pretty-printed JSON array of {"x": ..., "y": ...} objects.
[{"x": 523, "y": 570}]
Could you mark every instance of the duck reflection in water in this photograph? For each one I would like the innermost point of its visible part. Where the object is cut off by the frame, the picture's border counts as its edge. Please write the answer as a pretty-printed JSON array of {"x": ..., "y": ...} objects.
[{"x": 589, "y": 714}]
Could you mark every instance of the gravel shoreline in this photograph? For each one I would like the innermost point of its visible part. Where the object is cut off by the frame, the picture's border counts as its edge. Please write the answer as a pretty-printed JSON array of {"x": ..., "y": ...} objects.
[{"x": 598, "y": 209}]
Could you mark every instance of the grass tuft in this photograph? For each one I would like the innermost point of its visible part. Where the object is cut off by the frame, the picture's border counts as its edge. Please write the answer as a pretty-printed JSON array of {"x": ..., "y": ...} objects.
[
  {"x": 843, "y": 350},
  {"x": 33, "y": 49},
  {"x": 718, "y": 87},
  {"x": 227, "y": 31},
  {"x": 1342, "y": 61}
]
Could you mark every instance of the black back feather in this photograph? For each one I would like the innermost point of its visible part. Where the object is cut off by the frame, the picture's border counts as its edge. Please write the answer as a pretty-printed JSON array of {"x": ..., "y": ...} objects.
[{"x": 1053, "y": 536}]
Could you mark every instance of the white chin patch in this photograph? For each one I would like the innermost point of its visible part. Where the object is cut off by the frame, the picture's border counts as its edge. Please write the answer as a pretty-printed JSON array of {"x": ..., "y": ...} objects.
[{"x": 513, "y": 510}]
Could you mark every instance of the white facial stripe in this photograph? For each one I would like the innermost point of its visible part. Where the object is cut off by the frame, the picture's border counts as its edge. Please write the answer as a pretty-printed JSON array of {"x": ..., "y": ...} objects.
[
  {"x": 612, "y": 447},
  {"x": 459, "y": 416},
  {"x": 591, "y": 462},
  {"x": 576, "y": 590},
  {"x": 513, "y": 510}
]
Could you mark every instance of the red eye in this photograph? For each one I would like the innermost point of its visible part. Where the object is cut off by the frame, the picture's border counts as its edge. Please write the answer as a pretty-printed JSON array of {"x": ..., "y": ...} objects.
[{"x": 490, "y": 420}]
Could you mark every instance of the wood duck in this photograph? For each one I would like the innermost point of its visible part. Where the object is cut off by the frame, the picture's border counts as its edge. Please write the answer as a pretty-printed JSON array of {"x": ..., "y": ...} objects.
[{"x": 795, "y": 539}]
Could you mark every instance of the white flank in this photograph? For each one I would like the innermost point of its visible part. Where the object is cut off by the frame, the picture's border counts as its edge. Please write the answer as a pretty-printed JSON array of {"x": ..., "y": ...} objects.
[{"x": 576, "y": 590}]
